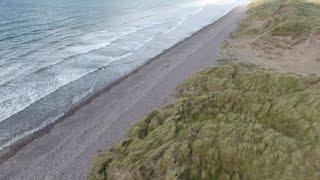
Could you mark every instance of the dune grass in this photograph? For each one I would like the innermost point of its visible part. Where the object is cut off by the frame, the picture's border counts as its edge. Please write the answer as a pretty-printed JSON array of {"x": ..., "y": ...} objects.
[
  {"x": 295, "y": 18},
  {"x": 234, "y": 121}
]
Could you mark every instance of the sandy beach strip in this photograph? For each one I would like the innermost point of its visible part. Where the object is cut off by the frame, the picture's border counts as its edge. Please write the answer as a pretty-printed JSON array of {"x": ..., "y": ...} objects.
[{"x": 66, "y": 150}]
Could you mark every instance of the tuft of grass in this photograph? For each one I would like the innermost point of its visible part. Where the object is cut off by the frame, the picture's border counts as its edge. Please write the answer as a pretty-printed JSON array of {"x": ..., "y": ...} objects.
[
  {"x": 295, "y": 18},
  {"x": 235, "y": 121},
  {"x": 225, "y": 44}
]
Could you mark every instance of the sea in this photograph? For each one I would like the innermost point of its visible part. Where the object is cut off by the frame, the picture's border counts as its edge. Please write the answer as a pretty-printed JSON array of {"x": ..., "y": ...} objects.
[{"x": 57, "y": 54}]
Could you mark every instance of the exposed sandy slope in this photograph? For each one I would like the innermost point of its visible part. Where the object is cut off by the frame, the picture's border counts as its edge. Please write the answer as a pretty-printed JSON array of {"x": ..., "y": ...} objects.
[
  {"x": 289, "y": 56},
  {"x": 66, "y": 151}
]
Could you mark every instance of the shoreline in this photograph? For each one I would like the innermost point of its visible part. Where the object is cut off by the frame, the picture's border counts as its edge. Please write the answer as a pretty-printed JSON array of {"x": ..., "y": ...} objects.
[
  {"x": 9, "y": 148},
  {"x": 7, "y": 158}
]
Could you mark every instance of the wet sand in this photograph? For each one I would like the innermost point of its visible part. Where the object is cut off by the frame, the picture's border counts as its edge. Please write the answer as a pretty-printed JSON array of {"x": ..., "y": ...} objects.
[{"x": 66, "y": 149}]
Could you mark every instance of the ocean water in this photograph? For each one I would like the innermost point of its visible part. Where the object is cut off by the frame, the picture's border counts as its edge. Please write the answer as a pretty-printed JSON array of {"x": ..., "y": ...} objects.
[{"x": 54, "y": 55}]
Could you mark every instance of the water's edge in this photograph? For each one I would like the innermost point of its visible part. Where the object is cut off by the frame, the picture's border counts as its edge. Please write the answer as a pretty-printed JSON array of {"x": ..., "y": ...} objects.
[{"x": 55, "y": 107}]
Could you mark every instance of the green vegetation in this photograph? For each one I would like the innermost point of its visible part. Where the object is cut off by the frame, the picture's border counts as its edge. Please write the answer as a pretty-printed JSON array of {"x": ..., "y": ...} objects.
[
  {"x": 296, "y": 18},
  {"x": 234, "y": 121}
]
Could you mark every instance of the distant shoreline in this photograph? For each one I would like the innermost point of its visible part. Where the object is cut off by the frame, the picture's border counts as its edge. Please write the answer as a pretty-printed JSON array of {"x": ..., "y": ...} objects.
[{"x": 180, "y": 61}]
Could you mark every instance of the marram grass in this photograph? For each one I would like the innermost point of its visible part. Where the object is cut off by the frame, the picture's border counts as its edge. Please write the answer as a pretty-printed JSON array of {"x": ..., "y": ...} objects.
[
  {"x": 295, "y": 18},
  {"x": 234, "y": 121}
]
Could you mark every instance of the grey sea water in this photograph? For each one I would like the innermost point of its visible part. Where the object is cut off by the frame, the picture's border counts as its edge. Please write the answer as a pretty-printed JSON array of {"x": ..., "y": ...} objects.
[{"x": 54, "y": 55}]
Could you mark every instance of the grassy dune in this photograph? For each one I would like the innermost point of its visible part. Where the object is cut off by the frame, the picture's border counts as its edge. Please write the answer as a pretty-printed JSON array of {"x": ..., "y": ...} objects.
[
  {"x": 281, "y": 34},
  {"x": 235, "y": 121},
  {"x": 230, "y": 122},
  {"x": 297, "y": 18}
]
